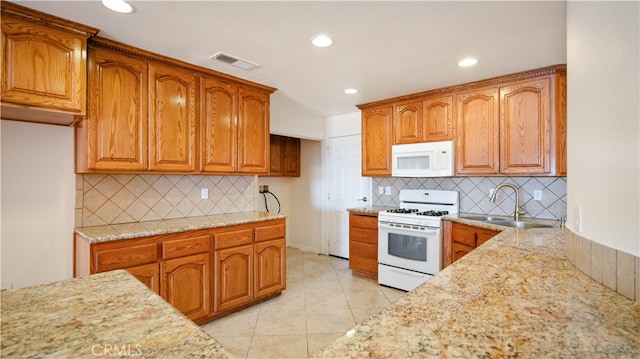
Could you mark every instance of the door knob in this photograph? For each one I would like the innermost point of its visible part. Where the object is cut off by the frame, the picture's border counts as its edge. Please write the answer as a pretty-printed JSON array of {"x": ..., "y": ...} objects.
[{"x": 362, "y": 199}]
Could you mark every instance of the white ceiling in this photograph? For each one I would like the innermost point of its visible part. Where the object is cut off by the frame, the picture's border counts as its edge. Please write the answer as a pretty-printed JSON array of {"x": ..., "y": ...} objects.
[{"x": 384, "y": 49}]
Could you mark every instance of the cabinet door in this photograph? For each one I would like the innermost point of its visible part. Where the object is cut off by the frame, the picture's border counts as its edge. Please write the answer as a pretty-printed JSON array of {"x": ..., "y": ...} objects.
[
  {"x": 276, "y": 148},
  {"x": 438, "y": 119},
  {"x": 407, "y": 123},
  {"x": 186, "y": 284},
  {"x": 270, "y": 267},
  {"x": 233, "y": 270},
  {"x": 114, "y": 135},
  {"x": 376, "y": 141},
  {"x": 253, "y": 132},
  {"x": 477, "y": 148},
  {"x": 43, "y": 67},
  {"x": 218, "y": 127},
  {"x": 525, "y": 128},
  {"x": 172, "y": 119},
  {"x": 483, "y": 235},
  {"x": 149, "y": 274},
  {"x": 459, "y": 250},
  {"x": 291, "y": 157}
]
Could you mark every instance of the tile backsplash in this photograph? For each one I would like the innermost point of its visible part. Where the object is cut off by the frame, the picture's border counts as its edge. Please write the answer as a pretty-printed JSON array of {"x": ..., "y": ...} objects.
[
  {"x": 474, "y": 193},
  {"x": 110, "y": 199}
]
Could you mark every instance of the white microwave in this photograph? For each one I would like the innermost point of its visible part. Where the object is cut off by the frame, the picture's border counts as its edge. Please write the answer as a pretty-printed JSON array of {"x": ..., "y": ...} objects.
[{"x": 425, "y": 159}]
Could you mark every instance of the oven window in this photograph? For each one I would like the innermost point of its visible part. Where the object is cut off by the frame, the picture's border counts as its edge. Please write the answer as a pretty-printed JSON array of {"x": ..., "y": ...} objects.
[{"x": 408, "y": 247}]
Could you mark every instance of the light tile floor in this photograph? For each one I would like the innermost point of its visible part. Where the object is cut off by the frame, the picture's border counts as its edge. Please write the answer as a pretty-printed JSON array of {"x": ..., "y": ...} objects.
[{"x": 323, "y": 300}]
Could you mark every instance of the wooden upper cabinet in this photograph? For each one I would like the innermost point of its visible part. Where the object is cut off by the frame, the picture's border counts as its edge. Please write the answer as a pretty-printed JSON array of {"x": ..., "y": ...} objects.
[
  {"x": 285, "y": 156},
  {"x": 114, "y": 134},
  {"x": 477, "y": 148},
  {"x": 253, "y": 132},
  {"x": 172, "y": 119},
  {"x": 218, "y": 126},
  {"x": 407, "y": 123},
  {"x": 525, "y": 127},
  {"x": 376, "y": 141},
  {"x": 43, "y": 66},
  {"x": 437, "y": 116},
  {"x": 276, "y": 149}
]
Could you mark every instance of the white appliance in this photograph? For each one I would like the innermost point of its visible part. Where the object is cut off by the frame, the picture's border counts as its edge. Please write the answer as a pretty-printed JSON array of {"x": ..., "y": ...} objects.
[
  {"x": 425, "y": 159},
  {"x": 410, "y": 239}
]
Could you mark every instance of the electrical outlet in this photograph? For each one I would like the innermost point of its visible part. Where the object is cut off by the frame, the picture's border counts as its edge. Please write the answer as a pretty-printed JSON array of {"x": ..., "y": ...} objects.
[
  {"x": 387, "y": 190},
  {"x": 537, "y": 195},
  {"x": 380, "y": 190},
  {"x": 264, "y": 188},
  {"x": 577, "y": 217},
  {"x": 204, "y": 193}
]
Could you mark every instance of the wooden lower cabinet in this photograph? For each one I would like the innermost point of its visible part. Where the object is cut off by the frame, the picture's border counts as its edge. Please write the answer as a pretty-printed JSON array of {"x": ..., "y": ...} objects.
[
  {"x": 205, "y": 273},
  {"x": 363, "y": 244},
  {"x": 149, "y": 274},
  {"x": 186, "y": 284},
  {"x": 460, "y": 239},
  {"x": 270, "y": 264},
  {"x": 233, "y": 277}
]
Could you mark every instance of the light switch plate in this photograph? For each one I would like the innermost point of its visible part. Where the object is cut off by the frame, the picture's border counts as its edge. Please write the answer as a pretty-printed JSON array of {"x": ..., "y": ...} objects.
[
  {"x": 387, "y": 190},
  {"x": 380, "y": 190},
  {"x": 204, "y": 193}
]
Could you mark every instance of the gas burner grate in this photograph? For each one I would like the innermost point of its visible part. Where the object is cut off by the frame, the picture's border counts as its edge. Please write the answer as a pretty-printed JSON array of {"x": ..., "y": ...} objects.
[
  {"x": 402, "y": 210},
  {"x": 433, "y": 213}
]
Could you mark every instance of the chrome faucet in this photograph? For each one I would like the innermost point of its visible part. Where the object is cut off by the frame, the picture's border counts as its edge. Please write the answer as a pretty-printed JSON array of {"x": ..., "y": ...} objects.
[{"x": 516, "y": 211}]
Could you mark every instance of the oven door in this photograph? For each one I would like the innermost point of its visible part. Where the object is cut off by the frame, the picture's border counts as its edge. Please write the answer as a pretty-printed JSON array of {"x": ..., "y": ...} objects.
[{"x": 416, "y": 248}]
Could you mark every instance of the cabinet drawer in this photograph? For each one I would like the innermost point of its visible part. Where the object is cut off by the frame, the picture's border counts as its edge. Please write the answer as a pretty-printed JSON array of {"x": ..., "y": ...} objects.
[
  {"x": 270, "y": 232},
  {"x": 363, "y": 250},
  {"x": 233, "y": 238},
  {"x": 363, "y": 235},
  {"x": 362, "y": 264},
  {"x": 124, "y": 257},
  {"x": 185, "y": 246},
  {"x": 463, "y": 234},
  {"x": 369, "y": 221}
]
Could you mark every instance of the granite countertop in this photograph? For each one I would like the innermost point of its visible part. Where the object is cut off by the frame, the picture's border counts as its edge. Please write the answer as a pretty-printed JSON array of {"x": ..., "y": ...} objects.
[
  {"x": 97, "y": 234},
  {"x": 96, "y": 316},
  {"x": 369, "y": 209},
  {"x": 516, "y": 295}
]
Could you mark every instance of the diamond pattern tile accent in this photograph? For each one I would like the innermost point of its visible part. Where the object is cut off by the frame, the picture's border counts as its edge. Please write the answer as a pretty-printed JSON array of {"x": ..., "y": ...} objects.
[
  {"x": 474, "y": 194},
  {"x": 111, "y": 199}
]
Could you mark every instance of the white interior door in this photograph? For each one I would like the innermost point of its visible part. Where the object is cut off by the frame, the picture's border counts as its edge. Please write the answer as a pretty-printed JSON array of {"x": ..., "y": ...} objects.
[{"x": 347, "y": 189}]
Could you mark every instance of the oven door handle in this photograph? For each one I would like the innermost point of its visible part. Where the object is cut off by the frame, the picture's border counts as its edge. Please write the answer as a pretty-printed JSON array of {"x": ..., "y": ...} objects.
[{"x": 391, "y": 226}]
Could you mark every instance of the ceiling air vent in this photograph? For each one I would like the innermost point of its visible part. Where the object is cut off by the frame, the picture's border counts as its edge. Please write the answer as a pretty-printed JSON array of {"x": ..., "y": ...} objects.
[{"x": 235, "y": 61}]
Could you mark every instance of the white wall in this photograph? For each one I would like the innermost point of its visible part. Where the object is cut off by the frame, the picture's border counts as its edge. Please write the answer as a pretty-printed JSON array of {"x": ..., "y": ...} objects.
[
  {"x": 305, "y": 219},
  {"x": 604, "y": 122},
  {"x": 344, "y": 125},
  {"x": 38, "y": 200},
  {"x": 291, "y": 119}
]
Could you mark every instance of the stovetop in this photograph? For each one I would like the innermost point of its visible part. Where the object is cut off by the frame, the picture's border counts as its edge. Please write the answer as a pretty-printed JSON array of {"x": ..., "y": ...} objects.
[{"x": 416, "y": 206}]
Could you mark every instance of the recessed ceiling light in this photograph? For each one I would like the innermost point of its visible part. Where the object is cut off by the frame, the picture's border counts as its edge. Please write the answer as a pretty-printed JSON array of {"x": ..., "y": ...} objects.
[
  {"x": 322, "y": 41},
  {"x": 469, "y": 61},
  {"x": 120, "y": 6},
  {"x": 351, "y": 91}
]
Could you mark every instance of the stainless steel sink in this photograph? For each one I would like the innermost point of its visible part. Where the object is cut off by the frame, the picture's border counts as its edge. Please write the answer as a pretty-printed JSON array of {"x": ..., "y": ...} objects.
[
  {"x": 506, "y": 222},
  {"x": 518, "y": 224},
  {"x": 483, "y": 218}
]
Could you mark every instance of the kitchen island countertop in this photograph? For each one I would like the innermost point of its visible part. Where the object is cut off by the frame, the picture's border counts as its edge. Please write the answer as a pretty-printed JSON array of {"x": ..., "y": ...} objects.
[
  {"x": 103, "y": 315},
  {"x": 516, "y": 295}
]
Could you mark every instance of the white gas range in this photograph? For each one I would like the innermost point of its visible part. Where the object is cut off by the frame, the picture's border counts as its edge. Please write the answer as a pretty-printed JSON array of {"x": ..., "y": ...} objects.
[{"x": 410, "y": 239}]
